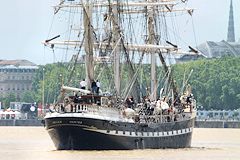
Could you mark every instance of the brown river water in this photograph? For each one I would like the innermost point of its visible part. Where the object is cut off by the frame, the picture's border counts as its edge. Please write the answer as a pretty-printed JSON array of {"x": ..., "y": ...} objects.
[{"x": 33, "y": 143}]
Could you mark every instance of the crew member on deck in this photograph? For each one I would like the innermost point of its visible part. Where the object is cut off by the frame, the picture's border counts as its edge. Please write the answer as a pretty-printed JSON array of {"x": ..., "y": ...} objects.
[
  {"x": 164, "y": 104},
  {"x": 94, "y": 87},
  {"x": 189, "y": 99},
  {"x": 98, "y": 86},
  {"x": 130, "y": 102},
  {"x": 83, "y": 84}
]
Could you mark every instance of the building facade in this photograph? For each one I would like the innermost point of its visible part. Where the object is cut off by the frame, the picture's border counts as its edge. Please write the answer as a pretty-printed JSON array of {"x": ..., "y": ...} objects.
[{"x": 16, "y": 77}]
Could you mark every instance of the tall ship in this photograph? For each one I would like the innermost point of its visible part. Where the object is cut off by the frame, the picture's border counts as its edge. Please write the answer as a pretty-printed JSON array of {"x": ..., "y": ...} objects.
[{"x": 119, "y": 39}]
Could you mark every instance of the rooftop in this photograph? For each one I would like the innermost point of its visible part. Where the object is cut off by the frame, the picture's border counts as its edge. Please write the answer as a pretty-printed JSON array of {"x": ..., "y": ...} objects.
[
  {"x": 218, "y": 49},
  {"x": 17, "y": 64}
]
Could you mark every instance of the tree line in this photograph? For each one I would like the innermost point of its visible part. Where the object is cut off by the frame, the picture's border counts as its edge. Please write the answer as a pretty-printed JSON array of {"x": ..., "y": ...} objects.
[{"x": 215, "y": 83}]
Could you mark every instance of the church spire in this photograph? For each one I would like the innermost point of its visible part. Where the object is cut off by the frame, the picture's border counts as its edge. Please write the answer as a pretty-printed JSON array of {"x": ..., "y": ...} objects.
[{"x": 231, "y": 34}]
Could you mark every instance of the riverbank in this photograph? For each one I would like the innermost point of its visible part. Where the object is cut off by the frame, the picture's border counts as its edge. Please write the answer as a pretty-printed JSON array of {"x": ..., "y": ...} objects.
[
  {"x": 217, "y": 124},
  {"x": 20, "y": 122}
]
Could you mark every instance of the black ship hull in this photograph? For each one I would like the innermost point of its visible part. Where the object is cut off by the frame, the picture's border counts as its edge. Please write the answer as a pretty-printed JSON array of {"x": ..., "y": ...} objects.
[{"x": 79, "y": 133}]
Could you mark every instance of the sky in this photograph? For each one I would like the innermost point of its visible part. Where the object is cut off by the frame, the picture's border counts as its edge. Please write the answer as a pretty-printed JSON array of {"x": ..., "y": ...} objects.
[{"x": 26, "y": 23}]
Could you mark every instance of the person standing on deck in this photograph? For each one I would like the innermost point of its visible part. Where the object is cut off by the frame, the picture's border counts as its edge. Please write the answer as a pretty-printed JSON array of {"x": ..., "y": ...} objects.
[
  {"x": 83, "y": 84},
  {"x": 98, "y": 86},
  {"x": 94, "y": 87}
]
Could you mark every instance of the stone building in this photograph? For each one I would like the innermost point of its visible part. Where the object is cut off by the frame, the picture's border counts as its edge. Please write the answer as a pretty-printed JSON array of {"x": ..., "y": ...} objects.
[{"x": 16, "y": 77}]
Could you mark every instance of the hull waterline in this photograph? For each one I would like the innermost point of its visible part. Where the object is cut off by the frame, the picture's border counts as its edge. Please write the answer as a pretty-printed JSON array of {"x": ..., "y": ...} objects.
[{"x": 86, "y": 134}]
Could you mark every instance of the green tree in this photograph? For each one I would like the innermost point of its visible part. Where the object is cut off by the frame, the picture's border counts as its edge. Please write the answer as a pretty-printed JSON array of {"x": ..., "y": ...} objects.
[
  {"x": 215, "y": 82},
  {"x": 11, "y": 97},
  {"x": 28, "y": 96}
]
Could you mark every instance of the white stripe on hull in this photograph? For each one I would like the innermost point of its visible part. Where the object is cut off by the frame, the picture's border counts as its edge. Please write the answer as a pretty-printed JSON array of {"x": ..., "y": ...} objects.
[{"x": 142, "y": 134}]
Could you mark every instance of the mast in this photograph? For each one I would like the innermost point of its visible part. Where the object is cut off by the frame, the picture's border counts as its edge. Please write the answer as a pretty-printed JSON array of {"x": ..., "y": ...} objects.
[
  {"x": 151, "y": 40},
  {"x": 119, "y": 42},
  {"x": 116, "y": 53},
  {"x": 88, "y": 42}
]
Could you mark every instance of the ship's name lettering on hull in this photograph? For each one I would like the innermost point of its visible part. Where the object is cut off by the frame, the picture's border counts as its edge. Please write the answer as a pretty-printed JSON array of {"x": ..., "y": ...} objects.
[
  {"x": 75, "y": 122},
  {"x": 57, "y": 122}
]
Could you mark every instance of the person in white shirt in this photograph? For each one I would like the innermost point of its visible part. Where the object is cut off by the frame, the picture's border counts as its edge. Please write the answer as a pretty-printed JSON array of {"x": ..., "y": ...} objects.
[
  {"x": 98, "y": 86},
  {"x": 164, "y": 104},
  {"x": 83, "y": 84}
]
